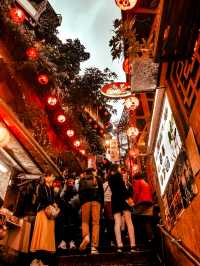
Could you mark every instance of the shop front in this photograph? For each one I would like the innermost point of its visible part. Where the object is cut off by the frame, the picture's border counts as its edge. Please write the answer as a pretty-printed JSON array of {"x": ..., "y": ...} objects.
[
  {"x": 22, "y": 164},
  {"x": 176, "y": 175}
]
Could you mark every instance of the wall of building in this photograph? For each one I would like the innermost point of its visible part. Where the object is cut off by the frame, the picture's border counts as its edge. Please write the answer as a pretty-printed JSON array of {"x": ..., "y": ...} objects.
[{"x": 183, "y": 88}]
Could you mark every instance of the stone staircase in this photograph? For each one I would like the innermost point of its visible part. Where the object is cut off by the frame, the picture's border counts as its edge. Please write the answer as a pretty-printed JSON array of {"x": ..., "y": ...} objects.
[{"x": 139, "y": 258}]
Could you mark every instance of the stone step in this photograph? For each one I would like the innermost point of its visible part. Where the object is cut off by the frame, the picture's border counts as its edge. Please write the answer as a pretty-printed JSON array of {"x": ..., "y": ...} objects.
[{"x": 143, "y": 258}]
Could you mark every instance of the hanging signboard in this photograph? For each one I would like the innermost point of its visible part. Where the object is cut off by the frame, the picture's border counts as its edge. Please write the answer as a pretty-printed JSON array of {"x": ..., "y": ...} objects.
[
  {"x": 144, "y": 75},
  {"x": 116, "y": 90},
  {"x": 167, "y": 147}
]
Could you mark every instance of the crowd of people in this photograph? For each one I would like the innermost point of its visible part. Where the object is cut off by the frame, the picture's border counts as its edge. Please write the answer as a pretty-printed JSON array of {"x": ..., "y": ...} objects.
[{"x": 95, "y": 210}]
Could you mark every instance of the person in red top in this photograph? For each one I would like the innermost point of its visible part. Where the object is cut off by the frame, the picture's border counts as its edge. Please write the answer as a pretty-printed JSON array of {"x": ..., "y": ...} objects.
[{"x": 143, "y": 199}]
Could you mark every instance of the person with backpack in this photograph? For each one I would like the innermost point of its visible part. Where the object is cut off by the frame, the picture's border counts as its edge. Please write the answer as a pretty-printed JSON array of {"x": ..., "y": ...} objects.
[{"x": 91, "y": 197}]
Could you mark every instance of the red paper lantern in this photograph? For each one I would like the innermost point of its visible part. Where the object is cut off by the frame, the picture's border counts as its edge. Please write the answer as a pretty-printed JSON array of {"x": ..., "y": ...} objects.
[
  {"x": 82, "y": 152},
  {"x": 132, "y": 103},
  {"x": 132, "y": 132},
  {"x": 90, "y": 120},
  {"x": 17, "y": 15},
  {"x": 61, "y": 118},
  {"x": 43, "y": 79},
  {"x": 70, "y": 133},
  {"x": 77, "y": 143},
  {"x": 134, "y": 152},
  {"x": 52, "y": 100},
  {"x": 127, "y": 66},
  {"x": 95, "y": 126},
  {"x": 126, "y": 4},
  {"x": 32, "y": 53}
]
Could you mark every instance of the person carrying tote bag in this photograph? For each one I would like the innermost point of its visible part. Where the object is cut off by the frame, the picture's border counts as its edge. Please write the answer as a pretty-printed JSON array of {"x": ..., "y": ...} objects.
[{"x": 43, "y": 238}]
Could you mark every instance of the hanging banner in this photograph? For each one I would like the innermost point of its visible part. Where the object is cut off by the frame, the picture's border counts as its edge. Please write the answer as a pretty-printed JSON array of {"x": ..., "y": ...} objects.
[{"x": 116, "y": 90}]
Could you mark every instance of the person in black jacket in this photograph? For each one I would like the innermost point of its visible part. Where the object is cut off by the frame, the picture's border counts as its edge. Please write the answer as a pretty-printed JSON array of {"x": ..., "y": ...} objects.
[
  {"x": 121, "y": 205},
  {"x": 43, "y": 234},
  {"x": 91, "y": 199}
]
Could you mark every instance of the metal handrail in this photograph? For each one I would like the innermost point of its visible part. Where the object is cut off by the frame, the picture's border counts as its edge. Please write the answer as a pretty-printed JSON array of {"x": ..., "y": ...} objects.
[{"x": 186, "y": 252}]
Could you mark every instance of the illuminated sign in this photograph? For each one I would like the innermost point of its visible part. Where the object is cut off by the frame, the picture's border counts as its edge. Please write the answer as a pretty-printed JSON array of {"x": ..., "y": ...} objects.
[
  {"x": 167, "y": 147},
  {"x": 116, "y": 90}
]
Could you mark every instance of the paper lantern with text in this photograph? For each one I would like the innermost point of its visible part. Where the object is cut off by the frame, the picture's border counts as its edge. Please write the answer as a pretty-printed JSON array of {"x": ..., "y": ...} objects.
[
  {"x": 126, "y": 4},
  {"x": 4, "y": 136}
]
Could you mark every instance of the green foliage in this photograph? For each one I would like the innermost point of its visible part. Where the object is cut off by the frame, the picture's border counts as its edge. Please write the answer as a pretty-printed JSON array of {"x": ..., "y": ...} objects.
[{"x": 124, "y": 40}]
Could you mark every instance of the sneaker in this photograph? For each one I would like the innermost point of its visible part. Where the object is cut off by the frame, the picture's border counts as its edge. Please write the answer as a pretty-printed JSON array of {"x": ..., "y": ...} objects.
[
  {"x": 62, "y": 245},
  {"x": 72, "y": 245},
  {"x": 94, "y": 251},
  {"x": 133, "y": 249},
  {"x": 84, "y": 243},
  {"x": 119, "y": 250}
]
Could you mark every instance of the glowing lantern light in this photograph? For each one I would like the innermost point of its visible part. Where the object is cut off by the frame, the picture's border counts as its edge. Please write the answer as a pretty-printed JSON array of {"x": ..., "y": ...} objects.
[
  {"x": 132, "y": 132},
  {"x": 135, "y": 168},
  {"x": 32, "y": 53},
  {"x": 82, "y": 152},
  {"x": 70, "y": 133},
  {"x": 4, "y": 137},
  {"x": 43, "y": 79},
  {"x": 17, "y": 15},
  {"x": 77, "y": 143},
  {"x": 106, "y": 113},
  {"x": 134, "y": 152},
  {"x": 52, "y": 100},
  {"x": 61, "y": 118},
  {"x": 126, "y": 4},
  {"x": 95, "y": 126},
  {"x": 90, "y": 120},
  {"x": 101, "y": 131},
  {"x": 132, "y": 103},
  {"x": 127, "y": 66}
]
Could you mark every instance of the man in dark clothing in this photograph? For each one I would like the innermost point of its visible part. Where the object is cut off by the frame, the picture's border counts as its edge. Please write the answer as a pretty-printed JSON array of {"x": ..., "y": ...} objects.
[
  {"x": 91, "y": 196},
  {"x": 69, "y": 215}
]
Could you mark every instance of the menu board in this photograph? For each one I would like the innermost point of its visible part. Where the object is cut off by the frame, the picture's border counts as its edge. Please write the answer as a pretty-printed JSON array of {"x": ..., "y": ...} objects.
[{"x": 167, "y": 147}]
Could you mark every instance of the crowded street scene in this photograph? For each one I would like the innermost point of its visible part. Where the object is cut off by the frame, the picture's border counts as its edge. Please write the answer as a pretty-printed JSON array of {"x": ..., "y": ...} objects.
[{"x": 99, "y": 132}]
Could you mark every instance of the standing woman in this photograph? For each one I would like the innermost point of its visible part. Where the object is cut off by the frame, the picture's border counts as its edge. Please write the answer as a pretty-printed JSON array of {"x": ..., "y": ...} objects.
[
  {"x": 44, "y": 229},
  {"x": 121, "y": 205}
]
